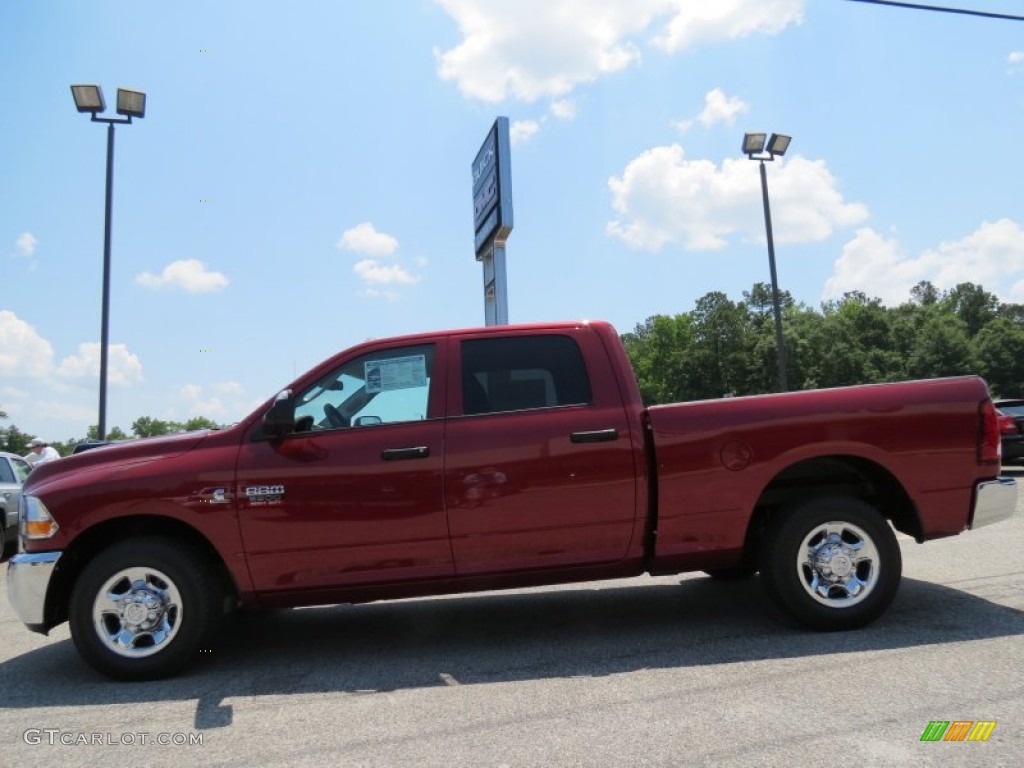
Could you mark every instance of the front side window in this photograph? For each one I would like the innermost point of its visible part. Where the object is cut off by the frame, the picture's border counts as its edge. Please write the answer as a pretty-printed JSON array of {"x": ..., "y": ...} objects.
[
  {"x": 382, "y": 387},
  {"x": 518, "y": 373}
]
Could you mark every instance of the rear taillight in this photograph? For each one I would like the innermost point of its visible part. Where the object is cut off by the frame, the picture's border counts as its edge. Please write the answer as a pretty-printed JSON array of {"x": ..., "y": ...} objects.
[
  {"x": 1007, "y": 424},
  {"x": 989, "y": 444}
]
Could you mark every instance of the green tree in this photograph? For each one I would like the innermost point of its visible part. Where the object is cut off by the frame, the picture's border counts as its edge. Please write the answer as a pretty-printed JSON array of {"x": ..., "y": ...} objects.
[
  {"x": 924, "y": 293},
  {"x": 941, "y": 348},
  {"x": 721, "y": 346},
  {"x": 16, "y": 441},
  {"x": 114, "y": 433},
  {"x": 761, "y": 371},
  {"x": 659, "y": 350},
  {"x": 147, "y": 426},
  {"x": 853, "y": 343},
  {"x": 1000, "y": 352},
  {"x": 973, "y": 305},
  {"x": 198, "y": 422}
]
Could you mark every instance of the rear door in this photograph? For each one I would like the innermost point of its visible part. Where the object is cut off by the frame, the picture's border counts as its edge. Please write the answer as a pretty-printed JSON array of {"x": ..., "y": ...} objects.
[{"x": 539, "y": 470}]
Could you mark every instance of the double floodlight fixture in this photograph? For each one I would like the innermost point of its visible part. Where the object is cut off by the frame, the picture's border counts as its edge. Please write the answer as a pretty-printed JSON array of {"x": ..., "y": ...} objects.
[
  {"x": 755, "y": 144},
  {"x": 89, "y": 98}
]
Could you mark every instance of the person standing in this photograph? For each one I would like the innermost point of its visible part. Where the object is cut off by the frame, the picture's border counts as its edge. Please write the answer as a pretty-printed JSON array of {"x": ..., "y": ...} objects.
[{"x": 41, "y": 452}]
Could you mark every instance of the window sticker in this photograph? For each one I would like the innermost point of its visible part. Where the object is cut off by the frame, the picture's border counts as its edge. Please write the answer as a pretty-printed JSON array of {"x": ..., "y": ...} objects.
[{"x": 395, "y": 373}]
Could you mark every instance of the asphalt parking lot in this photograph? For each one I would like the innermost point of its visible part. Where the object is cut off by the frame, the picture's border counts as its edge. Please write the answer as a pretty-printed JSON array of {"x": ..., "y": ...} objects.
[{"x": 647, "y": 671}]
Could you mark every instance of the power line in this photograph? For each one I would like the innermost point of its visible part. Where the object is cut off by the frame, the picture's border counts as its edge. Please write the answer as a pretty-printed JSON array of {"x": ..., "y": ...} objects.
[{"x": 942, "y": 9}]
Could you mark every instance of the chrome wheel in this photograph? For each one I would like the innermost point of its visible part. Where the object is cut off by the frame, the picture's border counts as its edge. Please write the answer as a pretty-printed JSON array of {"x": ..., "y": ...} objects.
[
  {"x": 831, "y": 562},
  {"x": 838, "y": 564},
  {"x": 137, "y": 611}
]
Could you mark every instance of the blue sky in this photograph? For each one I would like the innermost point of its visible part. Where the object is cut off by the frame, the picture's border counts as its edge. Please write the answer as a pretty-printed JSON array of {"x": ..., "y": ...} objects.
[{"x": 301, "y": 180}]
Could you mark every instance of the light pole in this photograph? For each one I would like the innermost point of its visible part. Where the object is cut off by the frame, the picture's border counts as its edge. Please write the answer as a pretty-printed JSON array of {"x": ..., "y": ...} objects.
[
  {"x": 755, "y": 149},
  {"x": 89, "y": 98}
]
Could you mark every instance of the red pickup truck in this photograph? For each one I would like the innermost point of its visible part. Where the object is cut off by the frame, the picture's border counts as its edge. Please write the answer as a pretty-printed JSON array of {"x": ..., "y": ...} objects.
[{"x": 493, "y": 458}]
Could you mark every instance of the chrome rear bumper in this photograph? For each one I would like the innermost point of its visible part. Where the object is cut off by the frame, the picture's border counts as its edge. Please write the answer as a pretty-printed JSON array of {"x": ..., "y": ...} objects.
[{"x": 994, "y": 501}]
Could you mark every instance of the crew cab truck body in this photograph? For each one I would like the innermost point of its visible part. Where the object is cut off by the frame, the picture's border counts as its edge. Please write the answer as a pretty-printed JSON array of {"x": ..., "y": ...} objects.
[{"x": 495, "y": 458}]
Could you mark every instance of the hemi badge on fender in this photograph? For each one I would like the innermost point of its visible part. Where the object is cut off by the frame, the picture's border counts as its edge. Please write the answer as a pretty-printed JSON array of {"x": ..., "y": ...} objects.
[{"x": 264, "y": 494}]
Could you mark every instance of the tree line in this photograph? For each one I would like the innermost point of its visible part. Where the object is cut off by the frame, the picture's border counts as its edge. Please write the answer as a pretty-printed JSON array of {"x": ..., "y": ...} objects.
[
  {"x": 724, "y": 347},
  {"x": 14, "y": 440}
]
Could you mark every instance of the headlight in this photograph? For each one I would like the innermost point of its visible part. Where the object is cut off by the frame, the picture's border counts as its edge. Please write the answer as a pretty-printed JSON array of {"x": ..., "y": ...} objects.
[{"x": 34, "y": 519}]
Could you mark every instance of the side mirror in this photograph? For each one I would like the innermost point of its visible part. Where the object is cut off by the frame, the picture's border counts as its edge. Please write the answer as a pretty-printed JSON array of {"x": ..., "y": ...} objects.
[{"x": 280, "y": 419}]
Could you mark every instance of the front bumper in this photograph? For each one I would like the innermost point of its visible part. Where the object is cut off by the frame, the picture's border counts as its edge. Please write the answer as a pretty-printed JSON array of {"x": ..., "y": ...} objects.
[
  {"x": 28, "y": 579},
  {"x": 994, "y": 501}
]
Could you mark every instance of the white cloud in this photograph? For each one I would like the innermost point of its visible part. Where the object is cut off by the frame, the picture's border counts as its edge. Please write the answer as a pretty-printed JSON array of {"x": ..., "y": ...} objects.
[
  {"x": 229, "y": 388},
  {"x": 372, "y": 271},
  {"x": 1016, "y": 57},
  {"x": 26, "y": 244},
  {"x": 719, "y": 108},
  {"x": 522, "y": 130},
  {"x": 65, "y": 412},
  {"x": 563, "y": 109},
  {"x": 196, "y": 405},
  {"x": 663, "y": 198},
  {"x": 123, "y": 368},
  {"x": 534, "y": 49},
  {"x": 700, "y": 21},
  {"x": 878, "y": 266},
  {"x": 23, "y": 352},
  {"x": 189, "y": 275},
  {"x": 364, "y": 238}
]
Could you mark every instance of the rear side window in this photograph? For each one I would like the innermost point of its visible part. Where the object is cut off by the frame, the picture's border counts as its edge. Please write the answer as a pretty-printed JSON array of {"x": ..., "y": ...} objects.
[
  {"x": 6, "y": 475},
  {"x": 519, "y": 373}
]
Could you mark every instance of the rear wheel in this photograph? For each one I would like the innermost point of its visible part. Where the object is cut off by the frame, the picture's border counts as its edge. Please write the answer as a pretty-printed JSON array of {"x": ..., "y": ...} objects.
[
  {"x": 832, "y": 563},
  {"x": 144, "y": 607}
]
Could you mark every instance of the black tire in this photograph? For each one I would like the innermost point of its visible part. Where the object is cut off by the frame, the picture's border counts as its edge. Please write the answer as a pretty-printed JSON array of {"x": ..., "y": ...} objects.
[
  {"x": 144, "y": 608},
  {"x": 735, "y": 573},
  {"x": 831, "y": 563}
]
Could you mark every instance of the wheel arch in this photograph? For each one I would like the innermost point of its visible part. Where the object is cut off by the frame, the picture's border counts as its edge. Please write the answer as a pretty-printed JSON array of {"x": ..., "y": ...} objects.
[
  {"x": 838, "y": 474},
  {"x": 102, "y": 535}
]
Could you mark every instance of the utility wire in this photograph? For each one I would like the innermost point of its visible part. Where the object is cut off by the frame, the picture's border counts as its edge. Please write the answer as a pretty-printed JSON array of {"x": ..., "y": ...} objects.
[{"x": 942, "y": 9}]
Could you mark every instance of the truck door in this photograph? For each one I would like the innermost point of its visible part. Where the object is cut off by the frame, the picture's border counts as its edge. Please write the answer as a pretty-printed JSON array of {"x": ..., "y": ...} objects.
[
  {"x": 354, "y": 495},
  {"x": 539, "y": 469}
]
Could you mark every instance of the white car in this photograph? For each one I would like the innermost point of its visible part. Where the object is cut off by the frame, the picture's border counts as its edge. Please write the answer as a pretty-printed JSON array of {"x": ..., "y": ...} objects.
[{"x": 13, "y": 471}]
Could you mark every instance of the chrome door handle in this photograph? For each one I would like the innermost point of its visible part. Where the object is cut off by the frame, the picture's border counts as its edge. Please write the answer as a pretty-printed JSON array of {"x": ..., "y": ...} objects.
[
  {"x": 596, "y": 436},
  {"x": 399, "y": 454}
]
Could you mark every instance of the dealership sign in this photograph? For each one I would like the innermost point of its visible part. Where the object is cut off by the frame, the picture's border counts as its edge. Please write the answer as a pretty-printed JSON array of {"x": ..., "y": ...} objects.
[{"x": 492, "y": 189}]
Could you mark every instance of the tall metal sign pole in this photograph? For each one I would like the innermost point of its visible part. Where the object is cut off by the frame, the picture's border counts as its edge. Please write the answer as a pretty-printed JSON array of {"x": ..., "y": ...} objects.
[{"x": 492, "y": 217}]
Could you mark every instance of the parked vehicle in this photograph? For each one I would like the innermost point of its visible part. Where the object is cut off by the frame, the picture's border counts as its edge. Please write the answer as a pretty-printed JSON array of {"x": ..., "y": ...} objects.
[
  {"x": 1011, "y": 428},
  {"x": 88, "y": 445},
  {"x": 491, "y": 458},
  {"x": 13, "y": 473}
]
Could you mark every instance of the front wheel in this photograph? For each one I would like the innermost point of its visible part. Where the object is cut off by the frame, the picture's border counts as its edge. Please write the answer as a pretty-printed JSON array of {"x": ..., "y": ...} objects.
[
  {"x": 832, "y": 563},
  {"x": 143, "y": 608}
]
